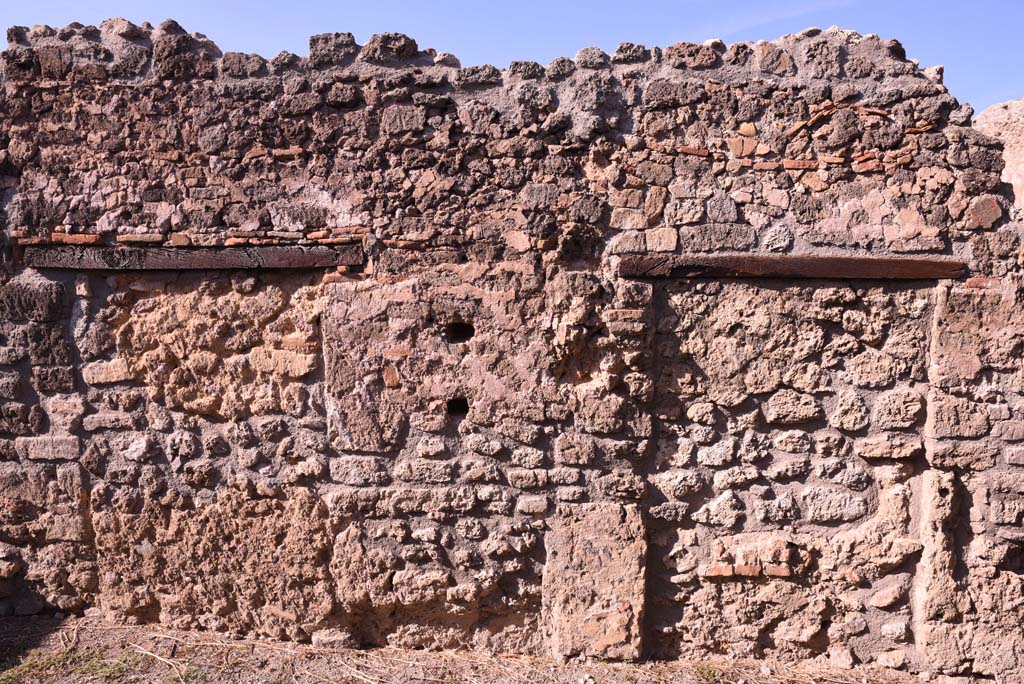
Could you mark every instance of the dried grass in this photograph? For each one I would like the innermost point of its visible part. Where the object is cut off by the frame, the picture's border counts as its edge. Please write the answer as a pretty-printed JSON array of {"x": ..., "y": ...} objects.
[{"x": 194, "y": 658}]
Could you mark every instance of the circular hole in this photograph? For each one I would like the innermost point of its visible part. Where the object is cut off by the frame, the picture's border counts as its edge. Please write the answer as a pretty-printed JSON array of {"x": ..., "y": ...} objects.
[
  {"x": 457, "y": 332},
  {"x": 457, "y": 406}
]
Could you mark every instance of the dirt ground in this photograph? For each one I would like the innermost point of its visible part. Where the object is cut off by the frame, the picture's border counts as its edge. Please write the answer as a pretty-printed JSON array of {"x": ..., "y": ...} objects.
[{"x": 79, "y": 651}]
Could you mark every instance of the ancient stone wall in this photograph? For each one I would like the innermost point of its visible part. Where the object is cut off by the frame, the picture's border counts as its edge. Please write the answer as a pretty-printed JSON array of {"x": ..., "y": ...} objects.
[{"x": 673, "y": 352}]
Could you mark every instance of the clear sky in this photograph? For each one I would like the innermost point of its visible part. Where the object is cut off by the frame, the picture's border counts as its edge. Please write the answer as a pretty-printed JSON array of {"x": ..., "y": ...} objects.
[{"x": 979, "y": 42}]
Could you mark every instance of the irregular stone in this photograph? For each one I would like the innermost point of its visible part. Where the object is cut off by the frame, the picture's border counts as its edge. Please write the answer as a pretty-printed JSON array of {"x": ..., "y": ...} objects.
[
  {"x": 628, "y": 219},
  {"x": 388, "y": 48},
  {"x": 888, "y": 445},
  {"x": 974, "y": 454},
  {"x": 725, "y": 510},
  {"x": 841, "y": 657},
  {"x": 65, "y": 412},
  {"x": 872, "y": 369},
  {"x": 359, "y": 471},
  {"x": 691, "y": 56},
  {"x": 848, "y": 412},
  {"x": 107, "y": 372},
  {"x": 327, "y": 49},
  {"x": 592, "y": 58},
  {"x": 1009, "y": 430},
  {"x": 787, "y": 407},
  {"x": 47, "y": 379},
  {"x": 402, "y": 119},
  {"x": 282, "y": 362},
  {"x": 803, "y": 627},
  {"x": 895, "y": 409},
  {"x": 30, "y": 297},
  {"x": 719, "y": 454},
  {"x": 952, "y": 416},
  {"x": 424, "y": 471},
  {"x": 532, "y": 505},
  {"x": 831, "y": 504},
  {"x": 897, "y": 630},
  {"x": 49, "y": 448},
  {"x": 889, "y": 596},
  {"x": 715, "y": 237},
  {"x": 983, "y": 212},
  {"x": 108, "y": 420},
  {"x": 895, "y": 659}
]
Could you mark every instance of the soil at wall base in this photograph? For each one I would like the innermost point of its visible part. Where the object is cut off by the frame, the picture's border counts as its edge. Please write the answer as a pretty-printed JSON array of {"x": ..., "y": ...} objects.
[{"x": 81, "y": 650}]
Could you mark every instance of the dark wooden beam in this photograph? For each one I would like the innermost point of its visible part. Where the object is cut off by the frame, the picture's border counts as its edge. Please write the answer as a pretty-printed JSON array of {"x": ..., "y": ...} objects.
[
  {"x": 734, "y": 265},
  {"x": 83, "y": 258}
]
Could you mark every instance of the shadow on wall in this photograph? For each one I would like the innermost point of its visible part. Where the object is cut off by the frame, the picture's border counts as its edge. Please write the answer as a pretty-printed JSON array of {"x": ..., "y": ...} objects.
[{"x": 20, "y": 634}]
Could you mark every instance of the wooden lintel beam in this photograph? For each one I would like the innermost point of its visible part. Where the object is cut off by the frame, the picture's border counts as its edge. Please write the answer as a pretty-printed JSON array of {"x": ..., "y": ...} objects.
[
  {"x": 734, "y": 265},
  {"x": 87, "y": 258}
]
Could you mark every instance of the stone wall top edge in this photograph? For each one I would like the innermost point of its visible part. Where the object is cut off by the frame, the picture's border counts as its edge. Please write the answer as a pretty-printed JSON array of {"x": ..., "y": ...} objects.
[
  {"x": 119, "y": 50},
  {"x": 823, "y": 141}
]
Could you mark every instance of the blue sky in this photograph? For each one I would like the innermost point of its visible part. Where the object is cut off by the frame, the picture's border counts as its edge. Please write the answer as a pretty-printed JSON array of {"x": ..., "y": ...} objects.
[{"x": 979, "y": 41}]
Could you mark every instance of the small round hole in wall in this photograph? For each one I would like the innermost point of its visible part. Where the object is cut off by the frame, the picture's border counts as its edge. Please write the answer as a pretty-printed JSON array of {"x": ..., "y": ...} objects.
[
  {"x": 457, "y": 407},
  {"x": 458, "y": 332}
]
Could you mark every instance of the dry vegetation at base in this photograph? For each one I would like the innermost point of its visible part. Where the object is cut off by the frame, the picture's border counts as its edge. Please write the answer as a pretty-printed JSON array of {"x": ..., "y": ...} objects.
[{"x": 84, "y": 651}]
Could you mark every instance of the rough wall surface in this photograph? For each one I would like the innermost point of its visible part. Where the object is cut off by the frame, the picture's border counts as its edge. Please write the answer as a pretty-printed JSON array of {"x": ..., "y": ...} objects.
[
  {"x": 480, "y": 429},
  {"x": 1005, "y": 122}
]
